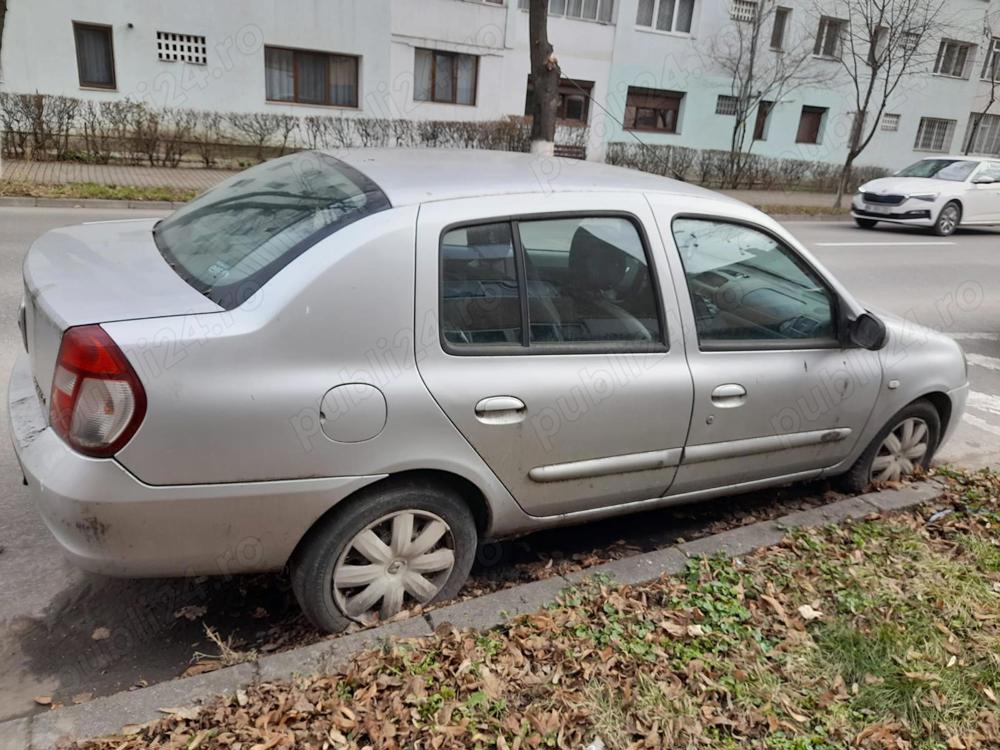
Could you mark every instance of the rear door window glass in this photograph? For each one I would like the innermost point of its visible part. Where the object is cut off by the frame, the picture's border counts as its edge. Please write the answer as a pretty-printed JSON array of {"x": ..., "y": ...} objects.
[{"x": 588, "y": 281}]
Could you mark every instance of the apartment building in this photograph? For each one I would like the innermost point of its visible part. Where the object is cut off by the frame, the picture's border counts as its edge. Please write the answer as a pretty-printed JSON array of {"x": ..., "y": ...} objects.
[{"x": 648, "y": 70}]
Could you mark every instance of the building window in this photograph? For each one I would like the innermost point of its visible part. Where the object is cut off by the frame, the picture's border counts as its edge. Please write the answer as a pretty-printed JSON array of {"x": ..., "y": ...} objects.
[
  {"x": 991, "y": 66},
  {"x": 587, "y": 10},
  {"x": 935, "y": 135},
  {"x": 910, "y": 40},
  {"x": 310, "y": 77},
  {"x": 181, "y": 48},
  {"x": 574, "y": 100},
  {"x": 811, "y": 124},
  {"x": 986, "y": 138},
  {"x": 890, "y": 123},
  {"x": 652, "y": 109},
  {"x": 829, "y": 37},
  {"x": 726, "y": 105},
  {"x": 95, "y": 55},
  {"x": 953, "y": 59},
  {"x": 446, "y": 77},
  {"x": 781, "y": 18},
  {"x": 760, "y": 126},
  {"x": 743, "y": 10},
  {"x": 666, "y": 15}
]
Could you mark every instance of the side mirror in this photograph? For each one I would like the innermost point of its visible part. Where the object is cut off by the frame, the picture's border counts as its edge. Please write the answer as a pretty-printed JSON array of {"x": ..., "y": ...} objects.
[
  {"x": 984, "y": 181},
  {"x": 868, "y": 332}
]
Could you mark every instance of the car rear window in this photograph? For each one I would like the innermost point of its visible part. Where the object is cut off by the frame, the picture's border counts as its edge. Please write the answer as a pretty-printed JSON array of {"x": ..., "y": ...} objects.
[{"x": 230, "y": 240}]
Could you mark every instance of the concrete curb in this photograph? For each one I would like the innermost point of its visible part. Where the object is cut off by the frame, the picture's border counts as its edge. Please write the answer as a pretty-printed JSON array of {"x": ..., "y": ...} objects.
[
  {"x": 28, "y": 202},
  {"x": 108, "y": 715}
]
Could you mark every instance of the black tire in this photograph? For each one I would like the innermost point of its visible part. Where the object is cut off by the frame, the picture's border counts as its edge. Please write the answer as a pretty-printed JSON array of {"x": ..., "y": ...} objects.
[
  {"x": 311, "y": 567},
  {"x": 858, "y": 477},
  {"x": 866, "y": 223},
  {"x": 945, "y": 226}
]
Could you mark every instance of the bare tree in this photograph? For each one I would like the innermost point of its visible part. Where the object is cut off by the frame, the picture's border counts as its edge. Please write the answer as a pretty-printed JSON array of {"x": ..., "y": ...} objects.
[
  {"x": 765, "y": 64},
  {"x": 878, "y": 43},
  {"x": 545, "y": 80},
  {"x": 991, "y": 74}
]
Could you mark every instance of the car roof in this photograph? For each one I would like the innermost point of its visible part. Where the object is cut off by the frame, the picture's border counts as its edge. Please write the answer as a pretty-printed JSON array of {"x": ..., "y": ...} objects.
[{"x": 410, "y": 176}]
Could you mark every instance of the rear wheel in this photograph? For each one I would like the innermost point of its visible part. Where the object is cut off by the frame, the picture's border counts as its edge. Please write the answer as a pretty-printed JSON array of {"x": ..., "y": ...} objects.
[
  {"x": 906, "y": 444},
  {"x": 948, "y": 220},
  {"x": 384, "y": 551},
  {"x": 865, "y": 223}
]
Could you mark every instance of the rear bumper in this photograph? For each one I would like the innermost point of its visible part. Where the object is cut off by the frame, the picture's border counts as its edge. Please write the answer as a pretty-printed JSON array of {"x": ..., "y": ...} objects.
[{"x": 109, "y": 522}]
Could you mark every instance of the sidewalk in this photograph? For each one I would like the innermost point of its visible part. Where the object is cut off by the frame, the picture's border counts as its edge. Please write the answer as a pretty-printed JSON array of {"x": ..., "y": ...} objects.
[
  {"x": 197, "y": 179},
  {"x": 62, "y": 172}
]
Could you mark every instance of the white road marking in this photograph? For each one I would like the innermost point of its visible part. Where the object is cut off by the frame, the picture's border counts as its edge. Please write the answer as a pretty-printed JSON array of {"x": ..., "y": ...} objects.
[
  {"x": 975, "y": 336},
  {"x": 882, "y": 244},
  {"x": 981, "y": 424},
  {"x": 981, "y": 360},
  {"x": 984, "y": 402}
]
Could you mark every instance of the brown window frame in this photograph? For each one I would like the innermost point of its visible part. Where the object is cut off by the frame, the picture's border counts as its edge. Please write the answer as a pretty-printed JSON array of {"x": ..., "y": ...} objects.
[
  {"x": 808, "y": 109},
  {"x": 630, "y": 121},
  {"x": 764, "y": 110},
  {"x": 454, "y": 77},
  {"x": 109, "y": 30},
  {"x": 326, "y": 77},
  {"x": 567, "y": 87},
  {"x": 779, "y": 30}
]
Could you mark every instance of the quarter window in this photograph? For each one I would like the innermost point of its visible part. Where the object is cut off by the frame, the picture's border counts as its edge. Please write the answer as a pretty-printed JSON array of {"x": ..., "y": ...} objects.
[
  {"x": 310, "y": 77},
  {"x": 448, "y": 77},
  {"x": 748, "y": 290},
  {"x": 95, "y": 58},
  {"x": 579, "y": 281},
  {"x": 666, "y": 15}
]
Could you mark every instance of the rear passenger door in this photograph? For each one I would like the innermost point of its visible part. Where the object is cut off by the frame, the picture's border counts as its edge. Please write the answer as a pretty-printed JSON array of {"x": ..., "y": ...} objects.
[{"x": 544, "y": 333}]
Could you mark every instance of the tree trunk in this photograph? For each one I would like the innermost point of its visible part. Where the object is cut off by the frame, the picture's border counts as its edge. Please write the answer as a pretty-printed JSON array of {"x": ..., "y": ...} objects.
[
  {"x": 545, "y": 80},
  {"x": 845, "y": 178},
  {"x": 3, "y": 15}
]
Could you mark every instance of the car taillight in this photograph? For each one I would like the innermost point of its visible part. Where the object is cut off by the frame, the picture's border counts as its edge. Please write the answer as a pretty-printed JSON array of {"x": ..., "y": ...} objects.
[{"x": 97, "y": 400}]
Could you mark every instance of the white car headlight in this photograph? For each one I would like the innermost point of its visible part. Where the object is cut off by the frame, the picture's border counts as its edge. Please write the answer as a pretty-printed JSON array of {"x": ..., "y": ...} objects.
[{"x": 929, "y": 197}]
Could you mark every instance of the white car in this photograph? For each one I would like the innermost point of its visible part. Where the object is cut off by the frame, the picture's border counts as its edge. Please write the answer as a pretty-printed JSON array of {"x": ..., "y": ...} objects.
[{"x": 943, "y": 193}]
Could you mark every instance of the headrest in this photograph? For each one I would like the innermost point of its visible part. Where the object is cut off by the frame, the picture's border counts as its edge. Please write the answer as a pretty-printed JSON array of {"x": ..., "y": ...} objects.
[{"x": 594, "y": 264}]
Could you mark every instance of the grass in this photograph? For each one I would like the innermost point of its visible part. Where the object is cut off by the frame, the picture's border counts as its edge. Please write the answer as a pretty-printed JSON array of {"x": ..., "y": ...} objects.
[
  {"x": 93, "y": 190},
  {"x": 782, "y": 209},
  {"x": 877, "y": 634}
]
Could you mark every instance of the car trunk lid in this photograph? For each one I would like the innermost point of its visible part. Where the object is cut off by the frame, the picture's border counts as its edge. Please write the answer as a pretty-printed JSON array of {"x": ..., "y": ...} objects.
[{"x": 96, "y": 273}]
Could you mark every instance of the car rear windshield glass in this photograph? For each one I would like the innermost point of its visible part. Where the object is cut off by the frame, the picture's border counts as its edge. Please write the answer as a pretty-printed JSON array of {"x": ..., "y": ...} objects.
[
  {"x": 229, "y": 241},
  {"x": 956, "y": 170}
]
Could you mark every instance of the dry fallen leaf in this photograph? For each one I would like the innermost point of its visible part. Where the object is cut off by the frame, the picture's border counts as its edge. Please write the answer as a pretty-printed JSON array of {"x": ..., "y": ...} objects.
[
  {"x": 43, "y": 700},
  {"x": 82, "y": 698},
  {"x": 101, "y": 634},
  {"x": 809, "y": 614}
]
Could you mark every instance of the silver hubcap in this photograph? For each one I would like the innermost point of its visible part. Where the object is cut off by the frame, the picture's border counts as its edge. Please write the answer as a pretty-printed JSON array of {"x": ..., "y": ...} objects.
[
  {"x": 949, "y": 219},
  {"x": 404, "y": 555},
  {"x": 902, "y": 451}
]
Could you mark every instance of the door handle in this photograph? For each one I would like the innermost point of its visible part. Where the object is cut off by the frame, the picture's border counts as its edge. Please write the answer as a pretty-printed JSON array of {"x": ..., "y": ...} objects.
[
  {"x": 500, "y": 410},
  {"x": 729, "y": 396}
]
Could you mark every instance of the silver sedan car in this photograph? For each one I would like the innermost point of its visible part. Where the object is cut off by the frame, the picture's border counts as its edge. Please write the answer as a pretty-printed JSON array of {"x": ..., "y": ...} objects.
[{"x": 357, "y": 365}]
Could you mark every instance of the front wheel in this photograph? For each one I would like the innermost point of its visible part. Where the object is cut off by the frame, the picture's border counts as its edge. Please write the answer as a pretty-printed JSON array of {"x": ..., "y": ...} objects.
[
  {"x": 906, "y": 444},
  {"x": 384, "y": 551},
  {"x": 865, "y": 223},
  {"x": 948, "y": 220}
]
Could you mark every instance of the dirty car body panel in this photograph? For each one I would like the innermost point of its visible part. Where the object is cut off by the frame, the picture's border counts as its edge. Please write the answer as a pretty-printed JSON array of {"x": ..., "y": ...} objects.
[{"x": 277, "y": 390}]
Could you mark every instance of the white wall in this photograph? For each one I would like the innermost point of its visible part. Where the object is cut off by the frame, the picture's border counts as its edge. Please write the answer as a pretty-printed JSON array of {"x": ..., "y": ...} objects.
[{"x": 39, "y": 55}]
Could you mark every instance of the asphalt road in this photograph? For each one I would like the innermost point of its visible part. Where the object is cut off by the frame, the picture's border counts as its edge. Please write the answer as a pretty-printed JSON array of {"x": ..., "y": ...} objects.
[{"x": 49, "y": 610}]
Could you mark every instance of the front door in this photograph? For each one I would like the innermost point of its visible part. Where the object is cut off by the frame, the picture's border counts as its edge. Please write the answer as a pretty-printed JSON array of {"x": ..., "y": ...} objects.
[
  {"x": 982, "y": 201},
  {"x": 776, "y": 394},
  {"x": 545, "y": 338}
]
